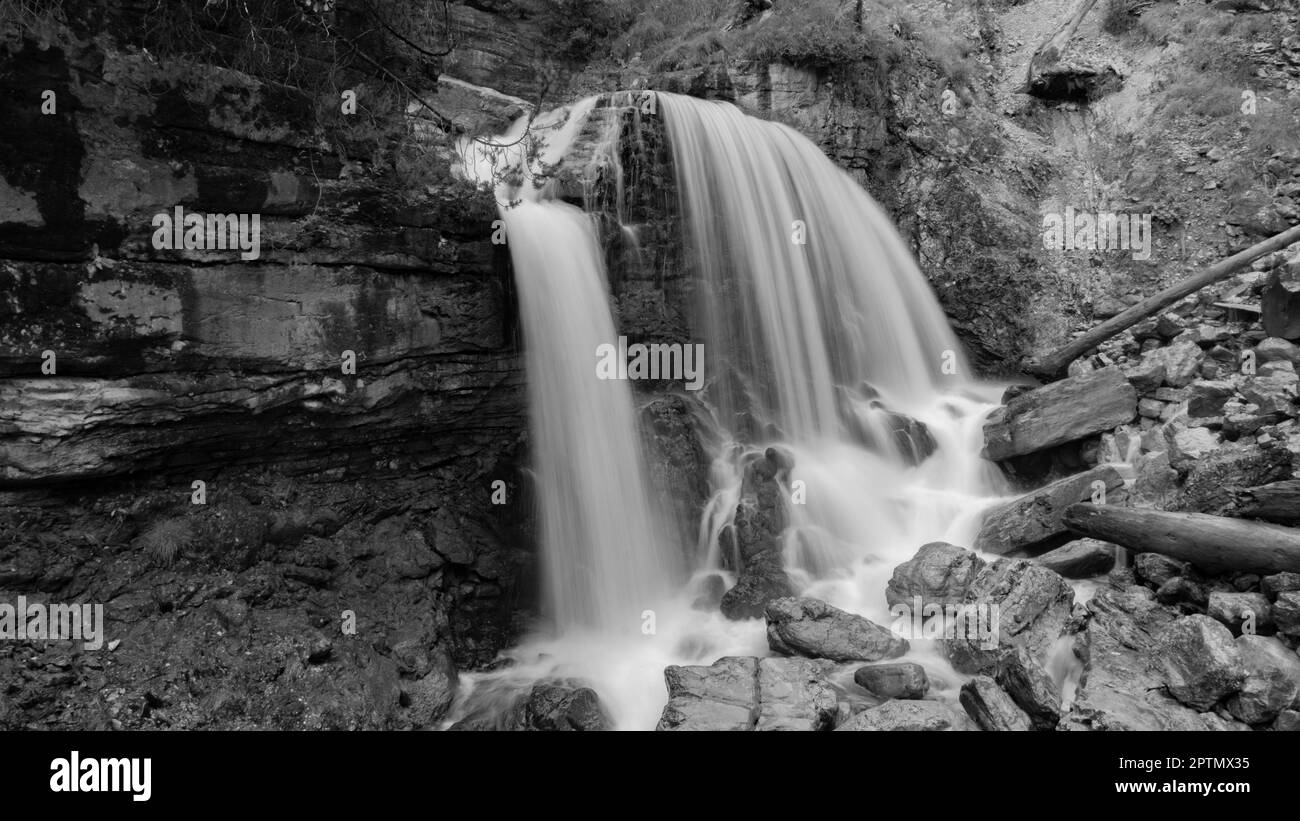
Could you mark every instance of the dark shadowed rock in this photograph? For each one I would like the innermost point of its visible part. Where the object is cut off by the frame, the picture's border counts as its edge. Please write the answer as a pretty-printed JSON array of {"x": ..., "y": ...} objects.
[
  {"x": 561, "y": 705},
  {"x": 761, "y": 517},
  {"x": 763, "y": 580},
  {"x": 429, "y": 698},
  {"x": 1061, "y": 412},
  {"x": 902, "y": 679},
  {"x": 1080, "y": 559},
  {"x": 1036, "y": 517},
  {"x": 1201, "y": 664},
  {"x": 1272, "y": 682},
  {"x": 991, "y": 708},
  {"x": 1031, "y": 688},
  {"x": 813, "y": 628},
  {"x": 1214, "y": 480},
  {"x": 908, "y": 716},
  {"x": 723, "y": 696},
  {"x": 1155, "y": 569},
  {"x": 940, "y": 573}
]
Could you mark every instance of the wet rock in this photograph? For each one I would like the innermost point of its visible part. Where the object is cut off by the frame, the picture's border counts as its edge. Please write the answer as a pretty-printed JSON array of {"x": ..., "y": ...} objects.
[
  {"x": 1275, "y": 349},
  {"x": 1272, "y": 394},
  {"x": 1272, "y": 680},
  {"x": 1080, "y": 559},
  {"x": 1121, "y": 688},
  {"x": 991, "y": 708},
  {"x": 1280, "y": 302},
  {"x": 898, "y": 680},
  {"x": 561, "y": 705},
  {"x": 762, "y": 581},
  {"x": 1183, "y": 593},
  {"x": 1241, "y": 612},
  {"x": 1146, "y": 374},
  {"x": 1033, "y": 605},
  {"x": 1156, "y": 569},
  {"x": 907, "y": 716},
  {"x": 1200, "y": 661},
  {"x": 1287, "y": 721},
  {"x": 722, "y": 696},
  {"x": 1061, "y": 412},
  {"x": 1156, "y": 480},
  {"x": 1207, "y": 398},
  {"x": 429, "y": 699},
  {"x": 1182, "y": 360},
  {"x": 1186, "y": 445},
  {"x": 940, "y": 573},
  {"x": 793, "y": 695},
  {"x": 1036, "y": 517},
  {"x": 813, "y": 628},
  {"x": 1031, "y": 688}
]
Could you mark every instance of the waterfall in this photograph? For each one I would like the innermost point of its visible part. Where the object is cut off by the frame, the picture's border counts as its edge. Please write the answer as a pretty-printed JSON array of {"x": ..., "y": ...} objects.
[
  {"x": 820, "y": 333},
  {"x": 603, "y": 558}
]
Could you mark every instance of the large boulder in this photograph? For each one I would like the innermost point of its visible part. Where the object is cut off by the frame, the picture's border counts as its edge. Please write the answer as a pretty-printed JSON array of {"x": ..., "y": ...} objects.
[
  {"x": 1215, "y": 481},
  {"x": 1028, "y": 606},
  {"x": 761, "y": 518},
  {"x": 793, "y": 694},
  {"x": 1200, "y": 661},
  {"x": 990, "y": 706},
  {"x": 1272, "y": 682},
  {"x": 939, "y": 573},
  {"x": 722, "y": 696},
  {"x": 1036, "y": 518},
  {"x": 1061, "y": 412},
  {"x": 904, "y": 679},
  {"x": 813, "y": 628}
]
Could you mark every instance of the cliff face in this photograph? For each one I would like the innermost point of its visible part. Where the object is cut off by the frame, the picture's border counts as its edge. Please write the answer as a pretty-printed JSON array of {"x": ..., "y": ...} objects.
[{"x": 238, "y": 455}]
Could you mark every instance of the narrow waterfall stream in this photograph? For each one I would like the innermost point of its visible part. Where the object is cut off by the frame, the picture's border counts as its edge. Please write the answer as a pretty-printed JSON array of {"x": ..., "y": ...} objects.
[{"x": 820, "y": 334}]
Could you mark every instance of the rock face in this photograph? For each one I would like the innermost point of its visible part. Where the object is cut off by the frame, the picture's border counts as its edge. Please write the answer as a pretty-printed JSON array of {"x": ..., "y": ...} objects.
[
  {"x": 907, "y": 716},
  {"x": 1201, "y": 664},
  {"x": 1061, "y": 412},
  {"x": 813, "y": 628},
  {"x": 793, "y": 695},
  {"x": 1037, "y": 518}
]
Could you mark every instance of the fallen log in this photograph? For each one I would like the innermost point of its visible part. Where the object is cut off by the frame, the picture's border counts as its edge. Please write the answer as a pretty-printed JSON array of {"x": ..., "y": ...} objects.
[
  {"x": 1276, "y": 502},
  {"x": 1213, "y": 543},
  {"x": 1054, "y": 365}
]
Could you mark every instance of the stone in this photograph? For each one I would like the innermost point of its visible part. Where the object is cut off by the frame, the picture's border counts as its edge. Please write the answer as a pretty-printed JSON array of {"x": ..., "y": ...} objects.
[
  {"x": 1183, "y": 593},
  {"x": 1279, "y": 583},
  {"x": 1080, "y": 559},
  {"x": 1146, "y": 374},
  {"x": 1182, "y": 360},
  {"x": 762, "y": 581},
  {"x": 1237, "y": 609},
  {"x": 429, "y": 699},
  {"x": 1286, "y": 613},
  {"x": 1033, "y": 605},
  {"x": 561, "y": 705},
  {"x": 813, "y": 628},
  {"x": 1031, "y": 688},
  {"x": 940, "y": 573},
  {"x": 991, "y": 708},
  {"x": 1275, "y": 349},
  {"x": 1272, "y": 680},
  {"x": 1186, "y": 445},
  {"x": 793, "y": 694},
  {"x": 1150, "y": 408},
  {"x": 1272, "y": 394},
  {"x": 1156, "y": 482},
  {"x": 1036, "y": 517},
  {"x": 722, "y": 696},
  {"x": 1207, "y": 398},
  {"x": 1155, "y": 569},
  {"x": 897, "y": 680},
  {"x": 1287, "y": 721},
  {"x": 1061, "y": 412},
  {"x": 1200, "y": 661},
  {"x": 931, "y": 716}
]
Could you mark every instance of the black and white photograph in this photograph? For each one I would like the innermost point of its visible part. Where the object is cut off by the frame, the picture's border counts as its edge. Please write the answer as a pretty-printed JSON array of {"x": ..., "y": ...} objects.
[{"x": 503, "y": 366}]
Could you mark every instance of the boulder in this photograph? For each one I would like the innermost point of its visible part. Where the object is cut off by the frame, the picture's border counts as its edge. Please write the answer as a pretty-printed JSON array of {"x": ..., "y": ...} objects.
[
  {"x": 1279, "y": 583},
  {"x": 1286, "y": 613},
  {"x": 763, "y": 580},
  {"x": 1275, "y": 349},
  {"x": 991, "y": 708},
  {"x": 429, "y": 699},
  {"x": 1200, "y": 661},
  {"x": 903, "y": 679},
  {"x": 561, "y": 705},
  {"x": 1272, "y": 394},
  {"x": 1207, "y": 398},
  {"x": 1061, "y": 412},
  {"x": 1280, "y": 303},
  {"x": 722, "y": 696},
  {"x": 1214, "y": 481},
  {"x": 940, "y": 573},
  {"x": 908, "y": 716},
  {"x": 1272, "y": 682},
  {"x": 1182, "y": 360},
  {"x": 1080, "y": 559},
  {"x": 1036, "y": 518},
  {"x": 1156, "y": 569},
  {"x": 813, "y": 628},
  {"x": 793, "y": 694},
  {"x": 1241, "y": 612},
  {"x": 1029, "y": 607},
  {"x": 1031, "y": 688}
]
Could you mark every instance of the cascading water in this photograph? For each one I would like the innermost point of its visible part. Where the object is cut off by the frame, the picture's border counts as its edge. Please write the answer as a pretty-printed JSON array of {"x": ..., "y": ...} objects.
[{"x": 820, "y": 333}]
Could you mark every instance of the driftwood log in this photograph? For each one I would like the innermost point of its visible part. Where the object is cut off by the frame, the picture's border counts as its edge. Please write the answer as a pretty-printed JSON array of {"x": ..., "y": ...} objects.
[{"x": 1213, "y": 543}]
